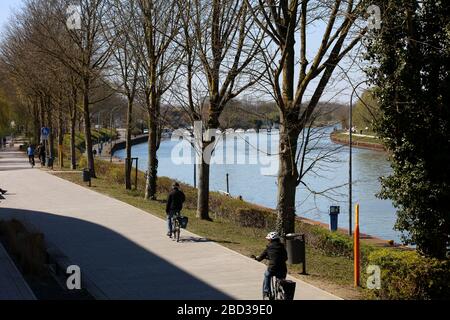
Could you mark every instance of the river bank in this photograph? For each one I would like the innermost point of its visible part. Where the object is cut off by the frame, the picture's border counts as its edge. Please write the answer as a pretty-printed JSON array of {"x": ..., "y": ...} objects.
[
  {"x": 358, "y": 141},
  {"x": 370, "y": 239},
  {"x": 250, "y": 168}
]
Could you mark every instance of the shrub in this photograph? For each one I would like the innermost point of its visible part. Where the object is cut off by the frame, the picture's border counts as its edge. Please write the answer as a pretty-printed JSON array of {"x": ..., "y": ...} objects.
[
  {"x": 255, "y": 218},
  {"x": 406, "y": 275},
  {"x": 82, "y": 163},
  {"x": 117, "y": 174},
  {"x": 330, "y": 243},
  {"x": 28, "y": 248}
]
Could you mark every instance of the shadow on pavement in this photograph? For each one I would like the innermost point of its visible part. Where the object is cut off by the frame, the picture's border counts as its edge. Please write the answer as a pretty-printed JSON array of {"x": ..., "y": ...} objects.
[
  {"x": 15, "y": 168},
  {"x": 194, "y": 239},
  {"x": 202, "y": 240},
  {"x": 120, "y": 268}
]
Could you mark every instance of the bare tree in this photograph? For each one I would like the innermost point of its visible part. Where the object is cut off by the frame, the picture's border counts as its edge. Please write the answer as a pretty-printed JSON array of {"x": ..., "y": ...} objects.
[
  {"x": 284, "y": 21},
  {"x": 37, "y": 76},
  {"x": 84, "y": 50},
  {"x": 220, "y": 43},
  {"x": 125, "y": 28},
  {"x": 159, "y": 58}
]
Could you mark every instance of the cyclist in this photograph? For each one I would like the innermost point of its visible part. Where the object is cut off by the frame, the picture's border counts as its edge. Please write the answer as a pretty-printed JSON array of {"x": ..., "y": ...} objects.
[
  {"x": 30, "y": 153},
  {"x": 174, "y": 205},
  {"x": 277, "y": 255}
]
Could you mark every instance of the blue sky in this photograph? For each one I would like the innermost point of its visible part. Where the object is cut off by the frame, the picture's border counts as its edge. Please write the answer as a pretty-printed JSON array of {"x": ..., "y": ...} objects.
[
  {"x": 340, "y": 91},
  {"x": 5, "y": 9}
]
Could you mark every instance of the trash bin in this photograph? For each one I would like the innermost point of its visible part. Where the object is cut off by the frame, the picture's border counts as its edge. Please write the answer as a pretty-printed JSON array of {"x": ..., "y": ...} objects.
[
  {"x": 334, "y": 218},
  {"x": 184, "y": 221},
  {"x": 288, "y": 289},
  {"x": 296, "y": 249},
  {"x": 50, "y": 162},
  {"x": 86, "y": 175}
]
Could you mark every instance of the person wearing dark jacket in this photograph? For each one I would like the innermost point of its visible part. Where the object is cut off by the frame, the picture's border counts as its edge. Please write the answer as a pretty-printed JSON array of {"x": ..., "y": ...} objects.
[
  {"x": 174, "y": 205},
  {"x": 277, "y": 255},
  {"x": 42, "y": 154}
]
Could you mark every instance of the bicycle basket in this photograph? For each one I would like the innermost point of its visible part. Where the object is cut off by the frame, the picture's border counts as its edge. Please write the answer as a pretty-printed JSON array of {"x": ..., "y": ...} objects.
[
  {"x": 183, "y": 222},
  {"x": 288, "y": 289}
]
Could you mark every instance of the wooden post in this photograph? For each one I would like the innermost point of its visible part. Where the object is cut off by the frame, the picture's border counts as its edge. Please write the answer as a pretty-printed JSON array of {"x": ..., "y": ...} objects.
[
  {"x": 137, "y": 171},
  {"x": 228, "y": 183},
  {"x": 356, "y": 247},
  {"x": 195, "y": 174}
]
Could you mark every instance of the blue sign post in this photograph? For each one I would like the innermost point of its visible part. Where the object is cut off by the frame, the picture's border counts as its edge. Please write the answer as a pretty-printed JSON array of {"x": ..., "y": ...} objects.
[{"x": 45, "y": 133}]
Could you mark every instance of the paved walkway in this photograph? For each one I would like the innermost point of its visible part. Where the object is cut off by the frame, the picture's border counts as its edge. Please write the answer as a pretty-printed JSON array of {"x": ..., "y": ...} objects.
[{"x": 122, "y": 250}]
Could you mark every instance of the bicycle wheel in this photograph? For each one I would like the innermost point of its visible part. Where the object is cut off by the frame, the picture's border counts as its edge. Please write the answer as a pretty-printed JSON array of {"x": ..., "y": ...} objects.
[
  {"x": 280, "y": 291},
  {"x": 177, "y": 230},
  {"x": 273, "y": 289}
]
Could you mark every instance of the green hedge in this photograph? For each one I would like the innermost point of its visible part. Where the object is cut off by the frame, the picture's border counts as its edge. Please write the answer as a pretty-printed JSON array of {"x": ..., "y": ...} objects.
[
  {"x": 405, "y": 275},
  {"x": 27, "y": 247}
]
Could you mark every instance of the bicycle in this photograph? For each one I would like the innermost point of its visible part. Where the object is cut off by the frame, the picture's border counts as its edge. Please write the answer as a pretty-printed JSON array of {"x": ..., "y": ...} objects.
[{"x": 277, "y": 292}]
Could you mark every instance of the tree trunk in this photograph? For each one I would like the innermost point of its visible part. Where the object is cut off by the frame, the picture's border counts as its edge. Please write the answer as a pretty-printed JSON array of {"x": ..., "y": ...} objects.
[
  {"x": 87, "y": 129},
  {"x": 37, "y": 127},
  {"x": 51, "y": 137},
  {"x": 42, "y": 114},
  {"x": 203, "y": 187},
  {"x": 60, "y": 138},
  {"x": 287, "y": 179},
  {"x": 73, "y": 154},
  {"x": 128, "y": 164},
  {"x": 152, "y": 177},
  {"x": 73, "y": 123}
]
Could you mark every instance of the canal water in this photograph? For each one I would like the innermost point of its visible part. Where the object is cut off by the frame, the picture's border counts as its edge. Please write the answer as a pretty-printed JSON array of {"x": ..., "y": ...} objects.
[{"x": 251, "y": 162}]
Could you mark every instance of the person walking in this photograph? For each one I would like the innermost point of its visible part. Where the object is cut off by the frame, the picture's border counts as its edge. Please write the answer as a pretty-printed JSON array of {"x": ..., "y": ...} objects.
[
  {"x": 277, "y": 255},
  {"x": 42, "y": 154},
  {"x": 174, "y": 206},
  {"x": 30, "y": 153}
]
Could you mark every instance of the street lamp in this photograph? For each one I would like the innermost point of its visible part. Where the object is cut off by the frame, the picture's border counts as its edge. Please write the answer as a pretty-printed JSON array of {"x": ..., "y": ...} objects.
[
  {"x": 350, "y": 173},
  {"x": 13, "y": 128},
  {"x": 112, "y": 132},
  {"x": 191, "y": 141}
]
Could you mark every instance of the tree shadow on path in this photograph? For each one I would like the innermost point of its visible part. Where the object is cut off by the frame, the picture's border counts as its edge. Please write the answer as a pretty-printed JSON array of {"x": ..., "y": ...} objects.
[{"x": 119, "y": 268}]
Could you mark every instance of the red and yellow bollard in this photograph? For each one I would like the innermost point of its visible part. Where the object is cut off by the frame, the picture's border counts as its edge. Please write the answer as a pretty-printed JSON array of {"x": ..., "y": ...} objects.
[{"x": 356, "y": 250}]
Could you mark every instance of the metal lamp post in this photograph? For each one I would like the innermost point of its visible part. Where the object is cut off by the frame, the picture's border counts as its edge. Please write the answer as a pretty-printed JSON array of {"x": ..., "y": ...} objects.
[
  {"x": 350, "y": 173},
  {"x": 13, "y": 128},
  {"x": 112, "y": 132},
  {"x": 192, "y": 142}
]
